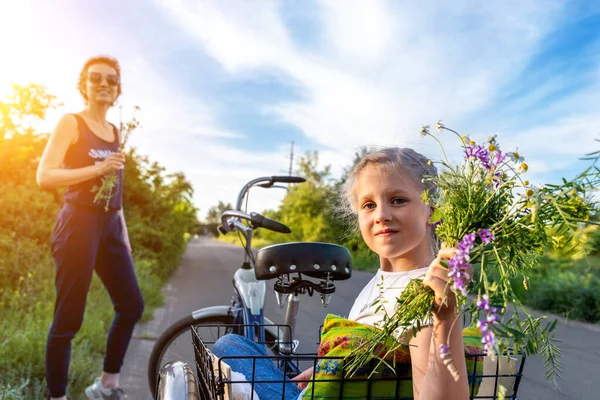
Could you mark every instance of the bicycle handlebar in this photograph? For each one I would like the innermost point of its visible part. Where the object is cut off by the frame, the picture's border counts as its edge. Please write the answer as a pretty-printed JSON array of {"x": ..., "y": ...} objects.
[
  {"x": 228, "y": 221},
  {"x": 288, "y": 179},
  {"x": 267, "y": 182},
  {"x": 258, "y": 221}
]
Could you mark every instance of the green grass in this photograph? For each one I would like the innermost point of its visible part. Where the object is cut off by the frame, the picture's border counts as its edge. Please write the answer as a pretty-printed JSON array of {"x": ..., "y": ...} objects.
[{"x": 24, "y": 331}]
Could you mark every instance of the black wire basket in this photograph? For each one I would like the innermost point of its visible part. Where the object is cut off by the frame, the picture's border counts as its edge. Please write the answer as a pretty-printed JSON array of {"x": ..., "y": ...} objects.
[{"x": 216, "y": 383}]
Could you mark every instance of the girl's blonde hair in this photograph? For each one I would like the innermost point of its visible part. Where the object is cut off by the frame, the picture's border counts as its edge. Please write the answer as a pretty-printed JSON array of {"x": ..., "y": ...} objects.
[{"x": 393, "y": 159}]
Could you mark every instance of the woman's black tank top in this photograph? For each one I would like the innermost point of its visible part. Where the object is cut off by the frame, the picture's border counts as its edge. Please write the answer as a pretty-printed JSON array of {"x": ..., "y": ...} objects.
[{"x": 90, "y": 150}]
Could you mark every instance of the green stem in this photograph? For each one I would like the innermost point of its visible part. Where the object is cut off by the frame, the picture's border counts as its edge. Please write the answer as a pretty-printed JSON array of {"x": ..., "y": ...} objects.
[{"x": 441, "y": 147}]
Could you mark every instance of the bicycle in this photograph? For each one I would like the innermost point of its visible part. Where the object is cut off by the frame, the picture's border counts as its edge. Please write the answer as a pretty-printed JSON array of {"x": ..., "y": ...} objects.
[
  {"x": 245, "y": 313},
  {"x": 286, "y": 264}
]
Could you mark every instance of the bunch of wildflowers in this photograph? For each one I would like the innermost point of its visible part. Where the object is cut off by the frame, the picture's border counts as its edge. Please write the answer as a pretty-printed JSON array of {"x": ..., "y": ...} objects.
[
  {"x": 105, "y": 192},
  {"x": 499, "y": 225}
]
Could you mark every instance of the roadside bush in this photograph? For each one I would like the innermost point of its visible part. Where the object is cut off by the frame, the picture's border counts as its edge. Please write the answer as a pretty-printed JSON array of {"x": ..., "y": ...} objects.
[{"x": 565, "y": 287}]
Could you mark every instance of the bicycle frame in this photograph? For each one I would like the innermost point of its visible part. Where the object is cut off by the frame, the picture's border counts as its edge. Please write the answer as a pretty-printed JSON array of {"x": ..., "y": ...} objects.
[{"x": 249, "y": 298}]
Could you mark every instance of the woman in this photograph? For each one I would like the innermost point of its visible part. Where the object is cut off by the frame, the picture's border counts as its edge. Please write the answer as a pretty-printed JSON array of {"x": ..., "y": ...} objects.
[{"x": 84, "y": 148}]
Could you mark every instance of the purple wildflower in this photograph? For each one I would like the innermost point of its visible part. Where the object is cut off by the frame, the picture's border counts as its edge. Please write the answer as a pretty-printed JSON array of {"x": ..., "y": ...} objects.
[
  {"x": 488, "y": 338},
  {"x": 434, "y": 225},
  {"x": 479, "y": 153},
  {"x": 496, "y": 179},
  {"x": 483, "y": 303},
  {"x": 470, "y": 151},
  {"x": 500, "y": 157},
  {"x": 460, "y": 261},
  {"x": 444, "y": 351},
  {"x": 486, "y": 236}
]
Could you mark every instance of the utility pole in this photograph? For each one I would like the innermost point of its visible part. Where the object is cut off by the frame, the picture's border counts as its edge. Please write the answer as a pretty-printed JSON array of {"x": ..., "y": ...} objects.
[{"x": 291, "y": 158}]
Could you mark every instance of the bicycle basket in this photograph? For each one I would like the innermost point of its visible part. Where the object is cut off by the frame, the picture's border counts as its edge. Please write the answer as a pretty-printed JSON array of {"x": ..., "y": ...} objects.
[{"x": 216, "y": 382}]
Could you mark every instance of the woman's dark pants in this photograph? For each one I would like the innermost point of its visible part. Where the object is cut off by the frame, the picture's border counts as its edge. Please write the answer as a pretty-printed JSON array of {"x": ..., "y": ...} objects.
[{"x": 87, "y": 240}]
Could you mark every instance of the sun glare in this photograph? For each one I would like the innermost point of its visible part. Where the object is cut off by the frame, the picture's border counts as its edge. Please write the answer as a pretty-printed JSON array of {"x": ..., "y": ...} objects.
[
  {"x": 35, "y": 50},
  {"x": 26, "y": 54},
  {"x": 14, "y": 40}
]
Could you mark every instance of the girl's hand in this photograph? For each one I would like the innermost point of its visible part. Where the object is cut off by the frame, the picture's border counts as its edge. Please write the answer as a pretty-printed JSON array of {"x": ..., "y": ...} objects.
[
  {"x": 303, "y": 376},
  {"x": 437, "y": 279},
  {"x": 112, "y": 163}
]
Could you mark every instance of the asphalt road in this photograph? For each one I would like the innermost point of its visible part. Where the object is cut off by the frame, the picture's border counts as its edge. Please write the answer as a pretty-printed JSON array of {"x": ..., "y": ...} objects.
[{"x": 204, "y": 279}]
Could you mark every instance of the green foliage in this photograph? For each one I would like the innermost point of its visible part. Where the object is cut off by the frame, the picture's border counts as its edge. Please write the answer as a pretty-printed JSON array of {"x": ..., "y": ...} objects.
[
  {"x": 213, "y": 215},
  {"x": 213, "y": 219},
  {"x": 564, "y": 287},
  {"x": 24, "y": 106},
  {"x": 591, "y": 241},
  {"x": 159, "y": 214},
  {"x": 307, "y": 208}
]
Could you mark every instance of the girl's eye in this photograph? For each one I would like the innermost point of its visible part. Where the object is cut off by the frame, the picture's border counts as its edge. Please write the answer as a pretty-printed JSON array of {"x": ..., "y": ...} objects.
[
  {"x": 368, "y": 206},
  {"x": 398, "y": 200}
]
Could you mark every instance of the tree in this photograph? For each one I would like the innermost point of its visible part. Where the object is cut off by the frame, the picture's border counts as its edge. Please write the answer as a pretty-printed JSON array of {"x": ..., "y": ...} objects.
[
  {"x": 23, "y": 108},
  {"x": 307, "y": 207},
  {"x": 213, "y": 215},
  {"x": 213, "y": 218}
]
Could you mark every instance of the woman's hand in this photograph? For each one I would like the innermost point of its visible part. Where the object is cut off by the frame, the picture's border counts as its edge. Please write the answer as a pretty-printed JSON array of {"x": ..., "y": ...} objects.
[
  {"x": 127, "y": 244},
  {"x": 112, "y": 163},
  {"x": 437, "y": 279},
  {"x": 303, "y": 376}
]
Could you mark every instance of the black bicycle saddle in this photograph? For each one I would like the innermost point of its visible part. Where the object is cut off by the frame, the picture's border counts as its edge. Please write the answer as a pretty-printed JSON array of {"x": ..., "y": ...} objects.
[{"x": 313, "y": 259}]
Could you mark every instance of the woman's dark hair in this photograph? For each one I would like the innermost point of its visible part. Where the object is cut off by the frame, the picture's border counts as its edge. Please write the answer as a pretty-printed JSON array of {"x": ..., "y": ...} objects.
[{"x": 110, "y": 61}]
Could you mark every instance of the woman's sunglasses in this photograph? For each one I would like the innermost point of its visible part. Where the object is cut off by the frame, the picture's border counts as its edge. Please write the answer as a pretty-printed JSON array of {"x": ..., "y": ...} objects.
[{"x": 96, "y": 78}]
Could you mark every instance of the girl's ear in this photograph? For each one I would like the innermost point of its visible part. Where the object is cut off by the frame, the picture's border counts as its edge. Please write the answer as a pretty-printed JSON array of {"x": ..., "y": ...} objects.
[{"x": 431, "y": 212}]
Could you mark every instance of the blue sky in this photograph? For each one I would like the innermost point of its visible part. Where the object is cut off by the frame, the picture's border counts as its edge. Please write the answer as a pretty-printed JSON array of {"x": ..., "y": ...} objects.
[{"x": 225, "y": 86}]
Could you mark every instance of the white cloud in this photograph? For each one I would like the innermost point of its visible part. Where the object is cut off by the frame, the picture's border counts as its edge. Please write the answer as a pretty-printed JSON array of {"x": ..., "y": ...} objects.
[
  {"x": 253, "y": 34},
  {"x": 166, "y": 109},
  {"x": 359, "y": 33},
  {"x": 387, "y": 67},
  {"x": 384, "y": 68},
  {"x": 379, "y": 71}
]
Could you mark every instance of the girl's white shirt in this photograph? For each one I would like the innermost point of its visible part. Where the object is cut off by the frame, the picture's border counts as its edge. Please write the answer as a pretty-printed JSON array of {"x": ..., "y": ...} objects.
[
  {"x": 383, "y": 289},
  {"x": 384, "y": 286}
]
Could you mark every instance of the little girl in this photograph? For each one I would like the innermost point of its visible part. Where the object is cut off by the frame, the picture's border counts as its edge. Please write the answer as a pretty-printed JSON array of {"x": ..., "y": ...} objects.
[{"x": 383, "y": 193}]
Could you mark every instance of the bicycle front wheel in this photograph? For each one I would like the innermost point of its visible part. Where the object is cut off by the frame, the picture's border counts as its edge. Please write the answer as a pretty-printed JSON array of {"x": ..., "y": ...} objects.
[
  {"x": 177, "y": 381},
  {"x": 175, "y": 344}
]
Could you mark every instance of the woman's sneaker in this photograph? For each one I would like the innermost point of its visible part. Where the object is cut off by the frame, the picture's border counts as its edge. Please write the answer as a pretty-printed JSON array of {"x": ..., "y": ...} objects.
[{"x": 97, "y": 391}]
